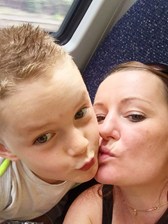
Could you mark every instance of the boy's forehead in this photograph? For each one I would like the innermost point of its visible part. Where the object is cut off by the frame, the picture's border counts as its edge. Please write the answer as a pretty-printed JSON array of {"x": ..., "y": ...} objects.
[{"x": 62, "y": 90}]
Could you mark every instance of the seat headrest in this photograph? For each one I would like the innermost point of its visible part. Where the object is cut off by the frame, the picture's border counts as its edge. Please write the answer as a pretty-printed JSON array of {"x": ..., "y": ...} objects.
[{"x": 140, "y": 35}]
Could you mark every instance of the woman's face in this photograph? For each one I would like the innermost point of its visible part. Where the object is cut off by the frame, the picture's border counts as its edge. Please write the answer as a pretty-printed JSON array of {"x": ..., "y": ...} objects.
[{"x": 132, "y": 113}]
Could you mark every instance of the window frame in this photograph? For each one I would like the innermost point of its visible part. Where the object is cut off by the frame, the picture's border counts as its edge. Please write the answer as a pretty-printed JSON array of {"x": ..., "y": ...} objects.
[{"x": 71, "y": 21}]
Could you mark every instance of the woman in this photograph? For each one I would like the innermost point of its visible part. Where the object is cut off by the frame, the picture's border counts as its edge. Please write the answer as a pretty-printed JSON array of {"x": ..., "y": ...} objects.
[{"x": 131, "y": 106}]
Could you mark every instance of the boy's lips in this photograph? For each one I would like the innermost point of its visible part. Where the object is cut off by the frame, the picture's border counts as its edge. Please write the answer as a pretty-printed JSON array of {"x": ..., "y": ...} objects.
[{"x": 88, "y": 165}]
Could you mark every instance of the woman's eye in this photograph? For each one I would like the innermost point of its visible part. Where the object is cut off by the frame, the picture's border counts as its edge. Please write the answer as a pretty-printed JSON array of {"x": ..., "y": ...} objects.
[
  {"x": 81, "y": 113},
  {"x": 100, "y": 118},
  {"x": 43, "y": 138},
  {"x": 136, "y": 117}
]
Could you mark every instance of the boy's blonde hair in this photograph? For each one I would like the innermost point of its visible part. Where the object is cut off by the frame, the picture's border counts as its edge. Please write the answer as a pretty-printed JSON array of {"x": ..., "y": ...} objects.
[{"x": 26, "y": 52}]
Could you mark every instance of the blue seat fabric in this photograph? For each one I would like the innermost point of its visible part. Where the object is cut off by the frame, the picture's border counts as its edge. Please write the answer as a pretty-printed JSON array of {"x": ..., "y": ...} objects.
[{"x": 140, "y": 35}]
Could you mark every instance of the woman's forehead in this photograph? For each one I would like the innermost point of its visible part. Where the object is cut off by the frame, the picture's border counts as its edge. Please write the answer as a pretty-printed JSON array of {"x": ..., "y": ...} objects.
[{"x": 131, "y": 83}]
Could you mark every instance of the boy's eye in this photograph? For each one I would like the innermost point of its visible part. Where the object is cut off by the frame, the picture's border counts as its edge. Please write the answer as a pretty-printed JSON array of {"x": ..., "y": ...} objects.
[
  {"x": 136, "y": 117},
  {"x": 81, "y": 113},
  {"x": 43, "y": 138}
]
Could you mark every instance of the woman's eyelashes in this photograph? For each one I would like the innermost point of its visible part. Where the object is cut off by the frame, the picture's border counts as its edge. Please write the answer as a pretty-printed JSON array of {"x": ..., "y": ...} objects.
[
  {"x": 136, "y": 117},
  {"x": 100, "y": 118},
  {"x": 133, "y": 117}
]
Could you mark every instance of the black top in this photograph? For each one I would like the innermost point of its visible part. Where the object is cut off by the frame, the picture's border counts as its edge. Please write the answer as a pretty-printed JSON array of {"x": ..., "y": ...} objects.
[{"x": 108, "y": 207}]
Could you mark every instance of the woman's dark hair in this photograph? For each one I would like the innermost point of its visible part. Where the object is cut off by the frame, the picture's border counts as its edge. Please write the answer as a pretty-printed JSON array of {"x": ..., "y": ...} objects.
[{"x": 158, "y": 69}]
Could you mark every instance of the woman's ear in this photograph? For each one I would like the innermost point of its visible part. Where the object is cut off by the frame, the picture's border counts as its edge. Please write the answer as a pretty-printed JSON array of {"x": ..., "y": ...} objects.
[{"x": 5, "y": 153}]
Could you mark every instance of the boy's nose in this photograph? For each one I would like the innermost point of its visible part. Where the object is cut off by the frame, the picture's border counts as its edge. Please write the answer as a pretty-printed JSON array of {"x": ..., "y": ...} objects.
[{"x": 78, "y": 144}]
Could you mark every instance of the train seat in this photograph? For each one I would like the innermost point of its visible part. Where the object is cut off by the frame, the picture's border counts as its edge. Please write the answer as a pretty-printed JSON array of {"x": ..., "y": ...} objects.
[{"x": 141, "y": 35}]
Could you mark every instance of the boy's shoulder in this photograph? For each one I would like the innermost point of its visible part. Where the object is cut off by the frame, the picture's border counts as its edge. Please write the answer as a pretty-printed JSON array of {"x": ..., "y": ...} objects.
[
  {"x": 5, "y": 186},
  {"x": 18, "y": 192}
]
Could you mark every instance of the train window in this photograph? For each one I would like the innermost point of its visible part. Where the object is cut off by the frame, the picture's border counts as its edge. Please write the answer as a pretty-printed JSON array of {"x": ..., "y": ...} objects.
[{"x": 55, "y": 16}]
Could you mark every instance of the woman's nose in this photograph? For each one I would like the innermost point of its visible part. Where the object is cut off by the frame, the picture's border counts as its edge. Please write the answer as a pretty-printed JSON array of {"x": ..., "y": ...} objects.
[
  {"x": 109, "y": 129},
  {"x": 78, "y": 143}
]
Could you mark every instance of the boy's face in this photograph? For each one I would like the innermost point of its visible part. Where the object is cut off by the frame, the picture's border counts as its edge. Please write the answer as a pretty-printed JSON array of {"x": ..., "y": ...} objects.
[{"x": 51, "y": 127}]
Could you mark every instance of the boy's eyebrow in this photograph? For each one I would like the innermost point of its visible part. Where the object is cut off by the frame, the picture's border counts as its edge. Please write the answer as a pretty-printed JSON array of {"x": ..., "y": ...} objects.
[{"x": 36, "y": 127}]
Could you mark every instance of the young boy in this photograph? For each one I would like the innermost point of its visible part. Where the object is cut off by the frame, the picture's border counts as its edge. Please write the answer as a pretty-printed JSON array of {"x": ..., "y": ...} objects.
[{"x": 48, "y": 130}]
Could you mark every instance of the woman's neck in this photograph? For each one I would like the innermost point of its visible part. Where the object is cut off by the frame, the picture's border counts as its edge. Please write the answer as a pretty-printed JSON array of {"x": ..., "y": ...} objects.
[
  {"x": 141, "y": 204},
  {"x": 144, "y": 196}
]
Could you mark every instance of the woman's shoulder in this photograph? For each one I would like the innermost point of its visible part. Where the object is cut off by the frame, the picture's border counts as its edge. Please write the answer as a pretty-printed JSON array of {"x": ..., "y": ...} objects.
[
  {"x": 87, "y": 207},
  {"x": 89, "y": 196},
  {"x": 92, "y": 192}
]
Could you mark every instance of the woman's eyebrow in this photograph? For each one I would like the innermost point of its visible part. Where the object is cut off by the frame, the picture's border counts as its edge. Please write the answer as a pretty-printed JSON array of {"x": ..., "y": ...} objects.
[
  {"x": 128, "y": 99},
  {"x": 125, "y": 100}
]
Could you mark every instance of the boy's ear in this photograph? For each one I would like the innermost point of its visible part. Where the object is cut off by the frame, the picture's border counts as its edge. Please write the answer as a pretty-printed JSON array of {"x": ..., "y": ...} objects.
[{"x": 5, "y": 153}]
